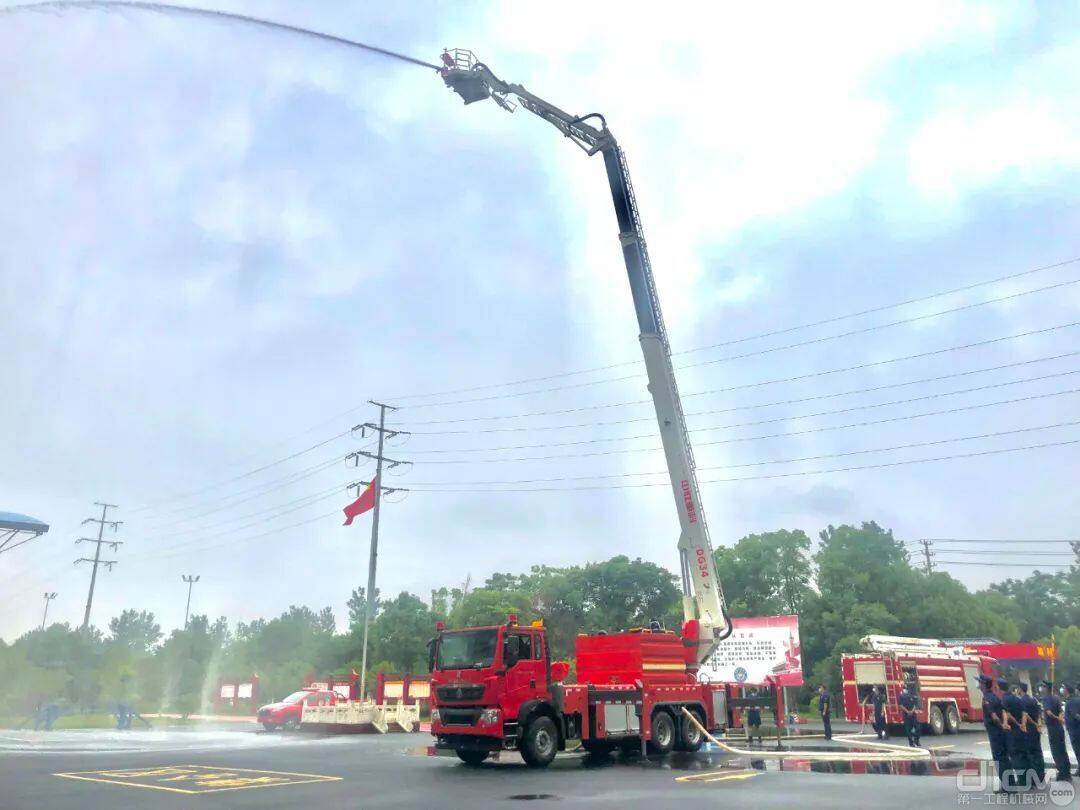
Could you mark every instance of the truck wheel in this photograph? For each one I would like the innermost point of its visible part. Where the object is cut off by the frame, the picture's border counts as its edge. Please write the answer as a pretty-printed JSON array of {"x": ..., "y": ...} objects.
[
  {"x": 539, "y": 743},
  {"x": 292, "y": 724},
  {"x": 690, "y": 736},
  {"x": 952, "y": 720},
  {"x": 470, "y": 756},
  {"x": 269, "y": 726},
  {"x": 936, "y": 722},
  {"x": 663, "y": 733}
]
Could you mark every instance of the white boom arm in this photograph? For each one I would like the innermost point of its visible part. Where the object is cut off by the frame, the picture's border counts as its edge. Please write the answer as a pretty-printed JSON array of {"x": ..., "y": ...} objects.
[{"x": 703, "y": 598}]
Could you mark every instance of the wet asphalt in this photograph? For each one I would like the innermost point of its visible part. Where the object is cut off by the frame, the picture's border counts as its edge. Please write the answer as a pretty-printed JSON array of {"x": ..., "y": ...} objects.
[{"x": 248, "y": 769}]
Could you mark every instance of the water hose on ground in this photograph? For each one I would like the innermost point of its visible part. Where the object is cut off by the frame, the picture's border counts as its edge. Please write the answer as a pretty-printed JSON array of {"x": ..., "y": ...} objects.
[{"x": 891, "y": 752}]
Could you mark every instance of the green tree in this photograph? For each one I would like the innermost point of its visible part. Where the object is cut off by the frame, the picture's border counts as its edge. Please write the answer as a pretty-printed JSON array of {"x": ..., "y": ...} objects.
[
  {"x": 401, "y": 632},
  {"x": 357, "y": 605},
  {"x": 766, "y": 574},
  {"x": 135, "y": 629}
]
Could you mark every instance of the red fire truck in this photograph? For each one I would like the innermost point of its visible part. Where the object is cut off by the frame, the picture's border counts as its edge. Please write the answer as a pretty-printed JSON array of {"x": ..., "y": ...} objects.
[
  {"x": 495, "y": 687},
  {"x": 945, "y": 680}
]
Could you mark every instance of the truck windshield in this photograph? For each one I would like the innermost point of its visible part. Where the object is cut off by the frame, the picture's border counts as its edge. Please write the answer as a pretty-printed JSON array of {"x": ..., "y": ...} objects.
[
  {"x": 469, "y": 649},
  {"x": 296, "y": 697}
]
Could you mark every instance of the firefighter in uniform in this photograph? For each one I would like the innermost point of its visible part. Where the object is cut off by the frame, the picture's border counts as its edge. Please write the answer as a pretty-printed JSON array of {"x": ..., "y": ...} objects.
[
  {"x": 1015, "y": 738},
  {"x": 1054, "y": 719},
  {"x": 1034, "y": 711},
  {"x": 877, "y": 702},
  {"x": 909, "y": 707},
  {"x": 996, "y": 727},
  {"x": 825, "y": 707},
  {"x": 1072, "y": 720}
]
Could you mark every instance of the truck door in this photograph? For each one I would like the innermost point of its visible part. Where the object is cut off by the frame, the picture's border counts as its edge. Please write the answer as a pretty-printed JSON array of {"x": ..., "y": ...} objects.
[{"x": 524, "y": 669}]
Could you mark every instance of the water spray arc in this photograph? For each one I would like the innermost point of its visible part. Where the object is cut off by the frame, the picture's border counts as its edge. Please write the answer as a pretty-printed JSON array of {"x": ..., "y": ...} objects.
[{"x": 168, "y": 8}]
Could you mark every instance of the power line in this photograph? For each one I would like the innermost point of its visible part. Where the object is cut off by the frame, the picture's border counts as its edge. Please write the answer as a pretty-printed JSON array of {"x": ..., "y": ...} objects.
[
  {"x": 739, "y": 439},
  {"x": 304, "y": 500},
  {"x": 1011, "y": 542},
  {"x": 849, "y": 409},
  {"x": 846, "y": 453},
  {"x": 744, "y": 339},
  {"x": 1015, "y": 564},
  {"x": 199, "y": 533},
  {"x": 249, "y": 473},
  {"x": 799, "y": 473},
  {"x": 233, "y": 542},
  {"x": 982, "y": 551},
  {"x": 231, "y": 501},
  {"x": 858, "y": 367},
  {"x": 745, "y": 355},
  {"x": 625, "y": 403}
]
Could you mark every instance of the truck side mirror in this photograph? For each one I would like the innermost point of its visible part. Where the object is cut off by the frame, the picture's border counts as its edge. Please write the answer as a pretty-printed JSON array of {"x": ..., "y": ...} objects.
[
  {"x": 431, "y": 655},
  {"x": 560, "y": 671}
]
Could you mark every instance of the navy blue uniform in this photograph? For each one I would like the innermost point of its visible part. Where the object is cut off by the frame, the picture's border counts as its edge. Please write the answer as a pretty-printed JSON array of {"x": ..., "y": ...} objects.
[
  {"x": 1034, "y": 736},
  {"x": 877, "y": 701},
  {"x": 1055, "y": 733},
  {"x": 911, "y": 721},
  {"x": 1016, "y": 741},
  {"x": 1072, "y": 724},
  {"x": 825, "y": 707},
  {"x": 999, "y": 750}
]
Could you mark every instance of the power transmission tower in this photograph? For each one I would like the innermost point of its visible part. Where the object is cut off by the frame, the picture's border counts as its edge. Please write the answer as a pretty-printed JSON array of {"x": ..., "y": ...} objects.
[
  {"x": 928, "y": 555},
  {"x": 383, "y": 432},
  {"x": 101, "y": 522},
  {"x": 190, "y": 580},
  {"x": 49, "y": 596}
]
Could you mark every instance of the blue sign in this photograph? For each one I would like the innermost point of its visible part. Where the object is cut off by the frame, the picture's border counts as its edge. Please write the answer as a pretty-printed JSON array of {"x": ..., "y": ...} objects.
[{"x": 740, "y": 674}]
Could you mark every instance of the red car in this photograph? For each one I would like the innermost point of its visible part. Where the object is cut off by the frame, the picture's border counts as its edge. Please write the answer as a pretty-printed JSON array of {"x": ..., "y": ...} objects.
[{"x": 286, "y": 713}]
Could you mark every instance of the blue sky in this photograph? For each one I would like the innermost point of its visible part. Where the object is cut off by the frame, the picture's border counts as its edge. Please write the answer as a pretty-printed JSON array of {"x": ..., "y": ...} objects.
[{"x": 214, "y": 239}]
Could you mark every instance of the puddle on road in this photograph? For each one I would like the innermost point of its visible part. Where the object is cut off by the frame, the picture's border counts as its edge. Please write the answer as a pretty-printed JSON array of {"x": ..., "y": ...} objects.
[{"x": 715, "y": 760}]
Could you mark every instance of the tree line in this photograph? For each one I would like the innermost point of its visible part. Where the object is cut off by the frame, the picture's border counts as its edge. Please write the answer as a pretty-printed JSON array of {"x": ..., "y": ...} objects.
[{"x": 857, "y": 581}]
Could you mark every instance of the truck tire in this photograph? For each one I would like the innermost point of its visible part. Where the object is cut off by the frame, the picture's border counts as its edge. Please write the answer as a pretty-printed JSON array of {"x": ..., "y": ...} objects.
[
  {"x": 269, "y": 726},
  {"x": 952, "y": 720},
  {"x": 539, "y": 743},
  {"x": 663, "y": 733},
  {"x": 690, "y": 737},
  {"x": 292, "y": 724},
  {"x": 935, "y": 721},
  {"x": 470, "y": 756}
]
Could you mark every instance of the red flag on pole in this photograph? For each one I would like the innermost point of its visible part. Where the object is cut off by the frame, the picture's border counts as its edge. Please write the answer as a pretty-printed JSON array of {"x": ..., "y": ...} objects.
[{"x": 364, "y": 503}]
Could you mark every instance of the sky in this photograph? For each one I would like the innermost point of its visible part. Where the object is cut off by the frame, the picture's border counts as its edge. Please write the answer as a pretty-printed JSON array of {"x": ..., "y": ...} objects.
[{"x": 218, "y": 243}]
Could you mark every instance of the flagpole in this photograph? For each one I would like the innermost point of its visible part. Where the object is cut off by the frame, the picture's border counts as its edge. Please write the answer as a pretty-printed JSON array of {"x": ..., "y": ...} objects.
[{"x": 373, "y": 556}]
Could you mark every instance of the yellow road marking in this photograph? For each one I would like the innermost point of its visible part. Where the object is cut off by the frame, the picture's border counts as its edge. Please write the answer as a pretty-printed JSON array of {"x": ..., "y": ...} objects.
[
  {"x": 206, "y": 778},
  {"x": 717, "y": 776}
]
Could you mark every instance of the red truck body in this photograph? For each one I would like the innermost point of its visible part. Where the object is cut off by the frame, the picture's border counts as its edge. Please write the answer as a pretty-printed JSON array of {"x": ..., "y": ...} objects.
[
  {"x": 631, "y": 689},
  {"x": 947, "y": 687}
]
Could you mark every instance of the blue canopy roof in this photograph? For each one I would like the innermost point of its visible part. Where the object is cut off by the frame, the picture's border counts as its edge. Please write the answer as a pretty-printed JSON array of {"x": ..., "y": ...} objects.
[{"x": 13, "y": 521}]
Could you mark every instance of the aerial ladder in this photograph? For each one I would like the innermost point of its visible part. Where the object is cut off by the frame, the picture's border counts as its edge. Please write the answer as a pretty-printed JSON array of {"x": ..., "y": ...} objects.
[{"x": 706, "y": 618}]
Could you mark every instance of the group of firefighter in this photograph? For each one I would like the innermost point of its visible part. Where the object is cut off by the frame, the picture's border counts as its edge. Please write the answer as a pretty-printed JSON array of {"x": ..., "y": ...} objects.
[{"x": 1015, "y": 720}]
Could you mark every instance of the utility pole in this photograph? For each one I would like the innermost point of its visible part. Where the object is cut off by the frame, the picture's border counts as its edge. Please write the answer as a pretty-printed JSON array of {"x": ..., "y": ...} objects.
[
  {"x": 373, "y": 555},
  {"x": 928, "y": 554},
  {"x": 49, "y": 596},
  {"x": 190, "y": 580},
  {"x": 101, "y": 522}
]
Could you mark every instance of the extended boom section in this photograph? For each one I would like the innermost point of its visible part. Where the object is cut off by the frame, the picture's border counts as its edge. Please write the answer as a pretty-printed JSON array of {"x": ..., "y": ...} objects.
[{"x": 703, "y": 602}]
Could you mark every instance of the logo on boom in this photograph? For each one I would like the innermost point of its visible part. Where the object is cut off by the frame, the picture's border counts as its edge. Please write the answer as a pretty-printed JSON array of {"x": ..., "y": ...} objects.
[{"x": 688, "y": 500}]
